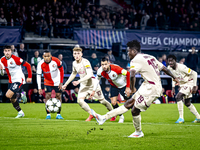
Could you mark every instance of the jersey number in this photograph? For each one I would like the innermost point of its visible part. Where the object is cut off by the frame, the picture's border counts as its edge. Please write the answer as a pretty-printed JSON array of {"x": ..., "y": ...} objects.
[{"x": 151, "y": 62}]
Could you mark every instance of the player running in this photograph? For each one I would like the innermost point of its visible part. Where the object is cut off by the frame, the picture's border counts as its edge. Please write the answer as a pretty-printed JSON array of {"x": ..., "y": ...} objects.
[
  {"x": 83, "y": 67},
  {"x": 149, "y": 68},
  {"x": 188, "y": 85},
  {"x": 12, "y": 65},
  {"x": 119, "y": 79},
  {"x": 53, "y": 78}
]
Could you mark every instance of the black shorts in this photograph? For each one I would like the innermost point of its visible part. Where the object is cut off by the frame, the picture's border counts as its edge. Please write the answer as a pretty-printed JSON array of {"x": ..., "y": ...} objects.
[
  {"x": 15, "y": 87},
  {"x": 50, "y": 88},
  {"x": 115, "y": 92}
]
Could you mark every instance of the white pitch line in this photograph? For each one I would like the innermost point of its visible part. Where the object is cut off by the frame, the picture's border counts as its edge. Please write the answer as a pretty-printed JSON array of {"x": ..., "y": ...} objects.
[{"x": 149, "y": 123}]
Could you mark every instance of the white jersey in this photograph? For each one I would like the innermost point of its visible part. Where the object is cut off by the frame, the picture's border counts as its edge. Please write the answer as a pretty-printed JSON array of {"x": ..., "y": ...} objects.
[
  {"x": 149, "y": 68},
  {"x": 83, "y": 69},
  {"x": 182, "y": 73},
  {"x": 13, "y": 69}
]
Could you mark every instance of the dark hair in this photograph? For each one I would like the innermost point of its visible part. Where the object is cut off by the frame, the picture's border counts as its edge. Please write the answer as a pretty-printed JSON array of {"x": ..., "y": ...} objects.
[
  {"x": 104, "y": 59},
  {"x": 7, "y": 47},
  {"x": 46, "y": 51},
  {"x": 171, "y": 56},
  {"x": 134, "y": 45}
]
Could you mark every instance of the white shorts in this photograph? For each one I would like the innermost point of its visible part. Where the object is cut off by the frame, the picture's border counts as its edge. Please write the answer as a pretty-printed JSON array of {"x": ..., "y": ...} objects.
[
  {"x": 85, "y": 91},
  {"x": 146, "y": 94},
  {"x": 186, "y": 90}
]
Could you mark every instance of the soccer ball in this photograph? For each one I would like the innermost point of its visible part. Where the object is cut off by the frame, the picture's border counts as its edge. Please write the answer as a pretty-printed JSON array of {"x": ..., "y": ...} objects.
[{"x": 53, "y": 105}]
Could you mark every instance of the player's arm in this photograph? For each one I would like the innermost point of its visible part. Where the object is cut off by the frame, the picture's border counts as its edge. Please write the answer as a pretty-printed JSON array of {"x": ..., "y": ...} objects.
[
  {"x": 60, "y": 67},
  {"x": 193, "y": 76},
  {"x": 132, "y": 80},
  {"x": 71, "y": 77},
  {"x": 2, "y": 68},
  {"x": 169, "y": 73},
  {"x": 39, "y": 73},
  {"x": 28, "y": 67}
]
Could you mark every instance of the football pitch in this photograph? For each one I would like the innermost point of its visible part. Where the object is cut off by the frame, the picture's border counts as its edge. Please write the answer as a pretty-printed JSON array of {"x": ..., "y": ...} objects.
[{"x": 34, "y": 132}]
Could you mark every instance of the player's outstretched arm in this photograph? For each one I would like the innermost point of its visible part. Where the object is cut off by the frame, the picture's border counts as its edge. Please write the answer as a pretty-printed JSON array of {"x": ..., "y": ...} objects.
[
  {"x": 168, "y": 72},
  {"x": 71, "y": 77},
  {"x": 1, "y": 68},
  {"x": 96, "y": 83}
]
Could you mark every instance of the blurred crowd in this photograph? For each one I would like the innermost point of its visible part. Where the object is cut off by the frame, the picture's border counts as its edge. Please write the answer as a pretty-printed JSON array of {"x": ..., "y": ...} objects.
[{"x": 58, "y": 19}]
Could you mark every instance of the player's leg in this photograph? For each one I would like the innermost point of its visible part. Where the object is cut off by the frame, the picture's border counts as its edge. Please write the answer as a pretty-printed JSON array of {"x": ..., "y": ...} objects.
[
  {"x": 136, "y": 123},
  {"x": 193, "y": 110},
  {"x": 58, "y": 96},
  {"x": 179, "y": 101},
  {"x": 48, "y": 91},
  {"x": 115, "y": 112},
  {"x": 11, "y": 94}
]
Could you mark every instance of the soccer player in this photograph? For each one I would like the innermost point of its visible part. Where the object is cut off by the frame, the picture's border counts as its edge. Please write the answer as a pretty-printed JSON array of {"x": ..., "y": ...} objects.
[
  {"x": 149, "y": 68},
  {"x": 12, "y": 65},
  {"x": 119, "y": 79},
  {"x": 188, "y": 85},
  {"x": 83, "y": 67},
  {"x": 53, "y": 78}
]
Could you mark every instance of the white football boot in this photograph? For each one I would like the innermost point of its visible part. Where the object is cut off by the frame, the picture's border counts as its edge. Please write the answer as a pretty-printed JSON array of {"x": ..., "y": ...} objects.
[
  {"x": 121, "y": 119},
  {"x": 20, "y": 114},
  {"x": 100, "y": 119},
  {"x": 136, "y": 134}
]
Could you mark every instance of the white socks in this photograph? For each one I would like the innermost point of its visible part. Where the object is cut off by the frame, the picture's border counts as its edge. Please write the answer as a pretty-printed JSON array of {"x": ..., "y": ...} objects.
[
  {"x": 107, "y": 104},
  {"x": 115, "y": 112},
  {"x": 180, "y": 109},
  {"x": 137, "y": 123},
  {"x": 84, "y": 105},
  {"x": 194, "y": 111}
]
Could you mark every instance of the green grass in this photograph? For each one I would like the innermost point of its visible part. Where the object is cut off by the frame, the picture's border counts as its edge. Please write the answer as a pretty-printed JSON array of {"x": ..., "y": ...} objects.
[{"x": 34, "y": 132}]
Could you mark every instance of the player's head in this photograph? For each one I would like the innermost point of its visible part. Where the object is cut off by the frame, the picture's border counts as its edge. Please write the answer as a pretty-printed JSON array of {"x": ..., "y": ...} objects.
[
  {"x": 77, "y": 53},
  {"x": 105, "y": 64},
  {"x": 171, "y": 59},
  {"x": 47, "y": 56},
  {"x": 133, "y": 47},
  {"x": 7, "y": 51}
]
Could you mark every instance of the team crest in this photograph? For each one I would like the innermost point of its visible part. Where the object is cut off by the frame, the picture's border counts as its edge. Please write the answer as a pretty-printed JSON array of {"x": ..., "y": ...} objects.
[
  {"x": 53, "y": 65},
  {"x": 11, "y": 62},
  {"x": 113, "y": 75}
]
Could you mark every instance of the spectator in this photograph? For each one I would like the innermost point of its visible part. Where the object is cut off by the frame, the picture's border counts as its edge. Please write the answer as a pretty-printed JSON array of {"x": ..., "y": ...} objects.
[
  {"x": 196, "y": 97},
  {"x": 14, "y": 50},
  {"x": 35, "y": 60},
  {"x": 135, "y": 26},
  {"x": 100, "y": 24},
  {"x": 3, "y": 21},
  {"x": 85, "y": 23},
  {"x": 42, "y": 27},
  {"x": 161, "y": 21},
  {"x": 144, "y": 20},
  {"x": 95, "y": 69},
  {"x": 182, "y": 61},
  {"x": 111, "y": 57},
  {"x": 192, "y": 60},
  {"x": 35, "y": 97},
  {"x": 23, "y": 53},
  {"x": 94, "y": 60},
  {"x": 75, "y": 95},
  {"x": 65, "y": 97},
  {"x": 60, "y": 57},
  {"x": 120, "y": 25},
  {"x": 164, "y": 59}
]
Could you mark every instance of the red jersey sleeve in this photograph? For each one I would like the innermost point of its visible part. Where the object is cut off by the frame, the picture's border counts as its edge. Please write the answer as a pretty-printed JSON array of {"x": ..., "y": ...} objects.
[
  {"x": 116, "y": 69},
  {"x": 18, "y": 60}
]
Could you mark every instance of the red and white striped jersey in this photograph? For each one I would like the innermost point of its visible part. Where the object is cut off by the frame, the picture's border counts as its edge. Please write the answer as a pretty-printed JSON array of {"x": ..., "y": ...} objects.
[
  {"x": 14, "y": 69},
  {"x": 53, "y": 72},
  {"x": 117, "y": 77}
]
